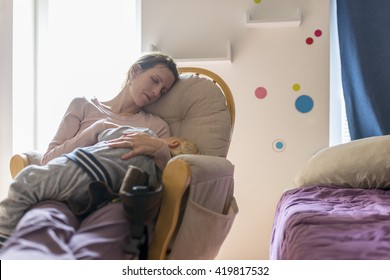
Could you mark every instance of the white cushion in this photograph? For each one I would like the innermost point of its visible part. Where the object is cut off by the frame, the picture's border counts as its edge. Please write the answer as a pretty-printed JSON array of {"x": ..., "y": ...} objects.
[
  {"x": 195, "y": 108},
  {"x": 363, "y": 163}
]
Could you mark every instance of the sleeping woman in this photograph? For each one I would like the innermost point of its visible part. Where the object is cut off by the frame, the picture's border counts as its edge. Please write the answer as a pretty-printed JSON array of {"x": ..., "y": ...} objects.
[{"x": 51, "y": 222}]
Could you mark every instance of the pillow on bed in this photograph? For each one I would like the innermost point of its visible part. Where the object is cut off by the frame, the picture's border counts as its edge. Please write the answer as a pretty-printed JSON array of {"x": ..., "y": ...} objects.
[{"x": 363, "y": 163}]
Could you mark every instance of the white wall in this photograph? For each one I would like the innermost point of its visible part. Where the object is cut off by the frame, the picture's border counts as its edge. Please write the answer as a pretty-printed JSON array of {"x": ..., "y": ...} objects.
[
  {"x": 273, "y": 58},
  {"x": 5, "y": 93}
]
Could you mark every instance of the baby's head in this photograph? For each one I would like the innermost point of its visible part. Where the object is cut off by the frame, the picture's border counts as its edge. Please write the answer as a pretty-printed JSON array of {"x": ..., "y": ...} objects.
[{"x": 179, "y": 146}]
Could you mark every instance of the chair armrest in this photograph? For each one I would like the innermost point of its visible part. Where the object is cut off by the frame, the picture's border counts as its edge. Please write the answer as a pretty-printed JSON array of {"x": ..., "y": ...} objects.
[
  {"x": 175, "y": 180},
  {"x": 180, "y": 174},
  {"x": 20, "y": 161}
]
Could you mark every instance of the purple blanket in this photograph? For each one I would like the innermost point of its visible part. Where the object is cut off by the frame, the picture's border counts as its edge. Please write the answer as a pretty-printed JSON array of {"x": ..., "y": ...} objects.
[{"x": 327, "y": 223}]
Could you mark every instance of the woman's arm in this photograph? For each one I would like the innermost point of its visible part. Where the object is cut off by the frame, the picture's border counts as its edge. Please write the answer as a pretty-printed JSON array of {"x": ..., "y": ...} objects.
[{"x": 69, "y": 136}]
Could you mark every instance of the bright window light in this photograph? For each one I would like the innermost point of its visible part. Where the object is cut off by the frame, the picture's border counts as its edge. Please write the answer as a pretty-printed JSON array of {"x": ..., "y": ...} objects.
[
  {"x": 338, "y": 128},
  {"x": 82, "y": 48}
]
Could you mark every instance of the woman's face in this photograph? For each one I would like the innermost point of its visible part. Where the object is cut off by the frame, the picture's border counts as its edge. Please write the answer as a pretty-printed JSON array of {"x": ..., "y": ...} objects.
[{"x": 147, "y": 86}]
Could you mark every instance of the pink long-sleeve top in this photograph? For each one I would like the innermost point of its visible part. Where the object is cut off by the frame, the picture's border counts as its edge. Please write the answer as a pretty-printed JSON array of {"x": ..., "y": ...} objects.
[{"x": 85, "y": 119}]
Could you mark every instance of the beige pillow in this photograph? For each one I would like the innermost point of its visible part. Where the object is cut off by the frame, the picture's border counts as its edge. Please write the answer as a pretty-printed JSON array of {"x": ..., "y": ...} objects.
[
  {"x": 363, "y": 163},
  {"x": 195, "y": 108}
]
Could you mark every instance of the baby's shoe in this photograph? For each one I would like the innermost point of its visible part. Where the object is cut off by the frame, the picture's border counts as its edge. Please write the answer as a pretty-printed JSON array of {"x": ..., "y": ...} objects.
[
  {"x": 135, "y": 176},
  {"x": 141, "y": 202}
]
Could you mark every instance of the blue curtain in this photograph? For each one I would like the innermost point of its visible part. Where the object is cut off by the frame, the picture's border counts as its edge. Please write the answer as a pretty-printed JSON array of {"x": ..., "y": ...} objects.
[{"x": 364, "y": 37}]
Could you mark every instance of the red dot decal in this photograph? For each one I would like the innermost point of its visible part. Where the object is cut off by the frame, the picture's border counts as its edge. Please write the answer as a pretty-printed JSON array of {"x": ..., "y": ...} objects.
[
  {"x": 318, "y": 33},
  {"x": 309, "y": 41}
]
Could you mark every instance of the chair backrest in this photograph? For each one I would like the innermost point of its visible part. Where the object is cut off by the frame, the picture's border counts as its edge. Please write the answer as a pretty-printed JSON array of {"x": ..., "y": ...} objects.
[{"x": 199, "y": 107}]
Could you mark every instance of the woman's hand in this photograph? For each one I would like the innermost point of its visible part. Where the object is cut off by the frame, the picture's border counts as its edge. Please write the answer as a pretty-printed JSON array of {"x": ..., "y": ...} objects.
[{"x": 141, "y": 143}]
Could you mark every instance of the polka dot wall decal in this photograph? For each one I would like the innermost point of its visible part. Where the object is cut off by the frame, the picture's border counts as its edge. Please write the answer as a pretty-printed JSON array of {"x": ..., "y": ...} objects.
[
  {"x": 296, "y": 87},
  {"x": 318, "y": 33},
  {"x": 309, "y": 41},
  {"x": 260, "y": 93},
  {"x": 279, "y": 145},
  {"x": 257, "y": 1},
  {"x": 304, "y": 103}
]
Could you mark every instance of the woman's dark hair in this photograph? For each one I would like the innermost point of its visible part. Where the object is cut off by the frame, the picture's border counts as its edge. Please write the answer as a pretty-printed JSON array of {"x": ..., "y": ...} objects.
[{"x": 152, "y": 59}]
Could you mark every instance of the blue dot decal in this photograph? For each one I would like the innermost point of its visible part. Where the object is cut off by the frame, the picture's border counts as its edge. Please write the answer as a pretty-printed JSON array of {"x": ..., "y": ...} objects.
[
  {"x": 278, "y": 145},
  {"x": 304, "y": 103}
]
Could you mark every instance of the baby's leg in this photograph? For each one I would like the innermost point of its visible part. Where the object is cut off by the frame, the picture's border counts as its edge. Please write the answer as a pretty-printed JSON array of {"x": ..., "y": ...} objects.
[{"x": 58, "y": 180}]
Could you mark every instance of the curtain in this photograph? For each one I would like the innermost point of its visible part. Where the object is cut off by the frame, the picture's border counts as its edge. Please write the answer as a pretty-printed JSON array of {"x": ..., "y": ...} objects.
[{"x": 364, "y": 38}]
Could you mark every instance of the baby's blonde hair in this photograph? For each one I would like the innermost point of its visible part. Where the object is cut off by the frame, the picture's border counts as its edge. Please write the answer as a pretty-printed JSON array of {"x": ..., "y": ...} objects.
[{"x": 185, "y": 147}]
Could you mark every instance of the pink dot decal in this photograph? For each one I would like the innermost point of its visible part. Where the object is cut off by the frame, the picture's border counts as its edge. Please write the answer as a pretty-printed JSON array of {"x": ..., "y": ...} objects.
[
  {"x": 309, "y": 41},
  {"x": 260, "y": 93},
  {"x": 318, "y": 33}
]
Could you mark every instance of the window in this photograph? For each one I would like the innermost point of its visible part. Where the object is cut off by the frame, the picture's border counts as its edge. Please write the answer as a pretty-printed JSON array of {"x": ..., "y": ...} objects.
[
  {"x": 76, "y": 48},
  {"x": 338, "y": 124}
]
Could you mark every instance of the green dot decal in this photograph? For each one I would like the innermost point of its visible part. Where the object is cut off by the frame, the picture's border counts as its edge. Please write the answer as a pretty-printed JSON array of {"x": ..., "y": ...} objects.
[{"x": 296, "y": 87}]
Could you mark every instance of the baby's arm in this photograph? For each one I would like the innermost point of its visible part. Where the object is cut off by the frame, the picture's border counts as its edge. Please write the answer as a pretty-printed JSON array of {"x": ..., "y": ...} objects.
[{"x": 142, "y": 143}]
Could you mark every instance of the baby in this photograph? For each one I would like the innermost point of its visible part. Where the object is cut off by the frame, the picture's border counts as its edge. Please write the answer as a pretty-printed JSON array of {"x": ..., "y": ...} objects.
[{"x": 67, "y": 178}]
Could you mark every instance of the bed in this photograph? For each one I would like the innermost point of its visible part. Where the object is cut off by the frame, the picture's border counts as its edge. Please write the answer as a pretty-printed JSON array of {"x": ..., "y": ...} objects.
[{"x": 339, "y": 208}]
